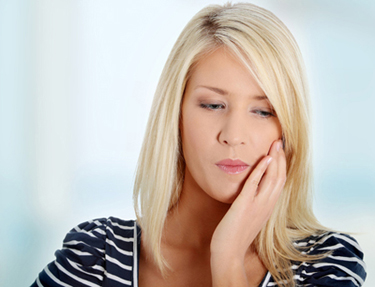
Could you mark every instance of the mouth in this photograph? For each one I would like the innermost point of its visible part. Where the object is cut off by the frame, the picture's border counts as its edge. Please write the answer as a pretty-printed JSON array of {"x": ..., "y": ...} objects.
[
  {"x": 230, "y": 166},
  {"x": 233, "y": 169}
]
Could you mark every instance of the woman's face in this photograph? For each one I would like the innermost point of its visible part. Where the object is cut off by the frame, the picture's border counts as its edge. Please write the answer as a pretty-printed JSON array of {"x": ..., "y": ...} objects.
[{"x": 226, "y": 118}]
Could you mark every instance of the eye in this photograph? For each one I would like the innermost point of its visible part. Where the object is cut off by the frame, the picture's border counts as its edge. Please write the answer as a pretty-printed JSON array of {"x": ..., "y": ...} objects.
[
  {"x": 264, "y": 113},
  {"x": 212, "y": 106}
]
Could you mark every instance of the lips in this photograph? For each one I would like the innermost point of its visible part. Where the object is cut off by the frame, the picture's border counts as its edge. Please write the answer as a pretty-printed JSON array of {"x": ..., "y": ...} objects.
[{"x": 230, "y": 166}]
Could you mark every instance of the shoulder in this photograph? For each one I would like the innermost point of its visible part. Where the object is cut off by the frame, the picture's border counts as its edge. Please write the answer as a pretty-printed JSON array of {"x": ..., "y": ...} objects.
[
  {"x": 344, "y": 266},
  {"x": 93, "y": 252}
]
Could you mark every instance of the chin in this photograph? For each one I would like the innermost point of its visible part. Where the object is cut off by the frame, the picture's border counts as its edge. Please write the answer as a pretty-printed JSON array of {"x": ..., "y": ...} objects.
[{"x": 227, "y": 195}]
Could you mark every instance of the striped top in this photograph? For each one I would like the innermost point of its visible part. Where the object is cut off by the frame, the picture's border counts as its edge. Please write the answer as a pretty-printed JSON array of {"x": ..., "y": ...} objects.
[{"x": 105, "y": 252}]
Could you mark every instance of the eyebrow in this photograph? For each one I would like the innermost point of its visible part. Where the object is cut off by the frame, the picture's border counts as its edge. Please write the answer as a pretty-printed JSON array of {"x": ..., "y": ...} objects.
[{"x": 225, "y": 93}]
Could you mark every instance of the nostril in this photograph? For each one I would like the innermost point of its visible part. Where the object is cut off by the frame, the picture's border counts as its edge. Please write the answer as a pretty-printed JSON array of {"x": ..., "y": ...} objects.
[{"x": 233, "y": 143}]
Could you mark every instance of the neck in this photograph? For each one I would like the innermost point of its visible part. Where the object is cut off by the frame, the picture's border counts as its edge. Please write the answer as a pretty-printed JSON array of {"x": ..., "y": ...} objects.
[{"x": 194, "y": 218}]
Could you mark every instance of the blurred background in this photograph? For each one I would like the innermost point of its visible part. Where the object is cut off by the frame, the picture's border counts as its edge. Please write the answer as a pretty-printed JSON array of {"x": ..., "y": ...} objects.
[{"x": 76, "y": 83}]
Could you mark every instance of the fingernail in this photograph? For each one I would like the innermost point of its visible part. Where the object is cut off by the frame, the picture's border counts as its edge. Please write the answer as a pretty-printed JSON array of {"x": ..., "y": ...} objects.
[
  {"x": 269, "y": 160},
  {"x": 278, "y": 146}
]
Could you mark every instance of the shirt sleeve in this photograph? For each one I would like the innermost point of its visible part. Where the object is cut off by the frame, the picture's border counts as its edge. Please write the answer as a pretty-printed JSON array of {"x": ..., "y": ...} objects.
[
  {"x": 81, "y": 260},
  {"x": 344, "y": 267}
]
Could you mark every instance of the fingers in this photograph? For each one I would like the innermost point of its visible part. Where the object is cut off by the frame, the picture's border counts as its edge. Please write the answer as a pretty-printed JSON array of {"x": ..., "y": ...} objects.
[
  {"x": 268, "y": 177},
  {"x": 252, "y": 183},
  {"x": 275, "y": 176}
]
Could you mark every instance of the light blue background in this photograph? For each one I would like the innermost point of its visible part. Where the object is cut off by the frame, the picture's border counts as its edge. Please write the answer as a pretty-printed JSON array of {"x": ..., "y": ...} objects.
[{"x": 76, "y": 83}]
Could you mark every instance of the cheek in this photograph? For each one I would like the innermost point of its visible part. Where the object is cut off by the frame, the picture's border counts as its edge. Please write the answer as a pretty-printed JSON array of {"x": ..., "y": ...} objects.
[
  {"x": 196, "y": 139},
  {"x": 265, "y": 136}
]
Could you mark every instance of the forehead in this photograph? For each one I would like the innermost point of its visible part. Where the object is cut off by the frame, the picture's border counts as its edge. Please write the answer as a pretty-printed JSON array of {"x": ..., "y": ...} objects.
[{"x": 221, "y": 69}]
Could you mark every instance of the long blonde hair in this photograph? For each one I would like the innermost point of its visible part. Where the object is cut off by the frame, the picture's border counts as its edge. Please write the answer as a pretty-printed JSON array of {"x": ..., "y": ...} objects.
[{"x": 267, "y": 48}]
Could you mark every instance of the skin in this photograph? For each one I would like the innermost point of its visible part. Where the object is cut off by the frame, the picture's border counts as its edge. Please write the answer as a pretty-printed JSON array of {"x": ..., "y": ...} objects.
[{"x": 225, "y": 114}]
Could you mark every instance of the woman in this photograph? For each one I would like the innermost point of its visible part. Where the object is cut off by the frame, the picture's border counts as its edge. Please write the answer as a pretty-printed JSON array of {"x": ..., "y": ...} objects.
[{"x": 222, "y": 192}]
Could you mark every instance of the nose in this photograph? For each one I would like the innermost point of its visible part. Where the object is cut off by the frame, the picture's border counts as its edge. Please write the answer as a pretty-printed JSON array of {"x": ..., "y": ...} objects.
[{"x": 234, "y": 129}]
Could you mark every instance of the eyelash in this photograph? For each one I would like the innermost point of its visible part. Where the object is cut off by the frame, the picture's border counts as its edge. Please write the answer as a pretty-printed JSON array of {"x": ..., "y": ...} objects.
[
  {"x": 213, "y": 107},
  {"x": 210, "y": 106},
  {"x": 264, "y": 114}
]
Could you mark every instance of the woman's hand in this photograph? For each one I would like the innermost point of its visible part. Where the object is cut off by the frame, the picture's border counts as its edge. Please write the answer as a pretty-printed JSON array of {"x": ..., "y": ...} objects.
[{"x": 247, "y": 215}]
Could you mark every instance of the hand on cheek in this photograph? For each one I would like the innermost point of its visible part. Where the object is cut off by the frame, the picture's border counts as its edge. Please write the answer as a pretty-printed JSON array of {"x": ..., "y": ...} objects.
[
  {"x": 250, "y": 211},
  {"x": 274, "y": 177}
]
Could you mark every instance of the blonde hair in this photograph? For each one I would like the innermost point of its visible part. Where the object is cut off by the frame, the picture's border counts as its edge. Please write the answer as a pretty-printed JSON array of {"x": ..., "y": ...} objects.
[{"x": 267, "y": 48}]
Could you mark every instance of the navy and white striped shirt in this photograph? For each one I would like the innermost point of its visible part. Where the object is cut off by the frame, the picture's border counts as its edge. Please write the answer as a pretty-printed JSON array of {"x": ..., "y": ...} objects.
[{"x": 105, "y": 252}]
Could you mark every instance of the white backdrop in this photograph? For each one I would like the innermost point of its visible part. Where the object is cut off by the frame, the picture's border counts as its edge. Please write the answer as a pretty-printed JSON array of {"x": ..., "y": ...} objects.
[{"x": 76, "y": 84}]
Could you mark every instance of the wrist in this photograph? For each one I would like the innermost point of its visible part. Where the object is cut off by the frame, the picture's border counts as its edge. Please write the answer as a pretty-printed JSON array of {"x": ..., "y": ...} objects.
[
  {"x": 227, "y": 256},
  {"x": 228, "y": 271}
]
